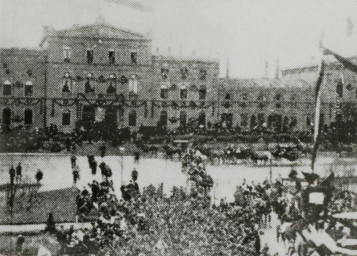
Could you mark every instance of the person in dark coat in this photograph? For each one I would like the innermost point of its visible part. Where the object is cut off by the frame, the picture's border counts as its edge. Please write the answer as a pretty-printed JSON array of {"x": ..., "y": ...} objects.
[
  {"x": 18, "y": 173},
  {"x": 12, "y": 173},
  {"x": 39, "y": 176},
  {"x": 73, "y": 161},
  {"x": 103, "y": 150}
]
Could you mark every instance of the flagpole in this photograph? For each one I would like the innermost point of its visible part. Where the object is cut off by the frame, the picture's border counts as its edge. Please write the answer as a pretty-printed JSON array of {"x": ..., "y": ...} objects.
[{"x": 317, "y": 107}]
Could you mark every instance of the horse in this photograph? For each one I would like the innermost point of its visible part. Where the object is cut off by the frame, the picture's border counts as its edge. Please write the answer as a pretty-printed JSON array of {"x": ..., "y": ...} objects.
[
  {"x": 262, "y": 156},
  {"x": 171, "y": 151}
]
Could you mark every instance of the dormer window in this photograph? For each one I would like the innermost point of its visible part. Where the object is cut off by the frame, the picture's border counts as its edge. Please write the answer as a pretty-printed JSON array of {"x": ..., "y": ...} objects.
[
  {"x": 111, "y": 55},
  {"x": 28, "y": 88},
  {"x": 278, "y": 97},
  {"x": 134, "y": 57},
  {"x": 66, "y": 54},
  {"x": 90, "y": 56},
  {"x": 203, "y": 74},
  {"x": 184, "y": 73},
  {"x": 164, "y": 73},
  {"x": 227, "y": 96}
]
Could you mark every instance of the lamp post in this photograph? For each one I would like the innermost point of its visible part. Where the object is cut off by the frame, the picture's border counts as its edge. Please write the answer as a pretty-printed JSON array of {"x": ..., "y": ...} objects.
[{"x": 121, "y": 149}]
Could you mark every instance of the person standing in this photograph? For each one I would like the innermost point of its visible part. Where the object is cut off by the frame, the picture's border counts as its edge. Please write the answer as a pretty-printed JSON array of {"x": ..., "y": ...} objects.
[
  {"x": 12, "y": 173},
  {"x": 39, "y": 176},
  {"x": 18, "y": 173},
  {"x": 73, "y": 160},
  {"x": 75, "y": 174}
]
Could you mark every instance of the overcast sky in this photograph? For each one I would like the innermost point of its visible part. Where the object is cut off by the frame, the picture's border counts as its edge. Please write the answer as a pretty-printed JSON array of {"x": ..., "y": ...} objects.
[{"x": 250, "y": 32}]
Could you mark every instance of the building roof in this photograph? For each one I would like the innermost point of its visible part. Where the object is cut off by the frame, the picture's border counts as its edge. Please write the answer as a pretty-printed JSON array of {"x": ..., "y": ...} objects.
[{"x": 99, "y": 31}]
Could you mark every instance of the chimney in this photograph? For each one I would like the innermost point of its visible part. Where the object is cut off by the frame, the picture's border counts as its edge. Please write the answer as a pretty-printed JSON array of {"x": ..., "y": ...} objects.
[
  {"x": 277, "y": 73},
  {"x": 267, "y": 69},
  {"x": 228, "y": 66}
]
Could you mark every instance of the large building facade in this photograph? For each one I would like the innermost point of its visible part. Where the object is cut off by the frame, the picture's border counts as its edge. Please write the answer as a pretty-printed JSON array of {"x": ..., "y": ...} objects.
[{"x": 101, "y": 73}]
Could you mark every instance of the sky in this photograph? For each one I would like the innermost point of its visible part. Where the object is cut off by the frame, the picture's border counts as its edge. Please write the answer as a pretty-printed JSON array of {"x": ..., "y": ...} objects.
[{"x": 248, "y": 32}]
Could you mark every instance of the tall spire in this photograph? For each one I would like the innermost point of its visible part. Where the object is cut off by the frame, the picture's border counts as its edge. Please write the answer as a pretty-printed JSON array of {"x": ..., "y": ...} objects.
[{"x": 100, "y": 18}]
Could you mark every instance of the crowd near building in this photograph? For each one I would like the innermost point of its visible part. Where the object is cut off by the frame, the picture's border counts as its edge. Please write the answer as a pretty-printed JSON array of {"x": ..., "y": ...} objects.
[{"x": 102, "y": 73}]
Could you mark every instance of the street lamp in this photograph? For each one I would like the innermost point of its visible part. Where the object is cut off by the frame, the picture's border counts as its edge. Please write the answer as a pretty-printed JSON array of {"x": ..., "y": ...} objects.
[{"x": 121, "y": 149}]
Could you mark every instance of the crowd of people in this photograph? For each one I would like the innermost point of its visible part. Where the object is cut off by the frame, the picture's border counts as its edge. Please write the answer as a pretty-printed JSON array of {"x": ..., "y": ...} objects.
[{"x": 189, "y": 221}]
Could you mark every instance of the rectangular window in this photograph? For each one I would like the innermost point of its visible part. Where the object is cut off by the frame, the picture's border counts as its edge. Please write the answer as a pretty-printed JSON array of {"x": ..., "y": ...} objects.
[
  {"x": 164, "y": 93},
  {"x": 28, "y": 117},
  {"x": 183, "y": 94},
  {"x": 66, "y": 118},
  {"x": 202, "y": 94},
  {"x": 111, "y": 55},
  {"x": 134, "y": 57},
  {"x": 90, "y": 56},
  {"x": 66, "y": 54},
  {"x": 7, "y": 89},
  {"x": 28, "y": 90}
]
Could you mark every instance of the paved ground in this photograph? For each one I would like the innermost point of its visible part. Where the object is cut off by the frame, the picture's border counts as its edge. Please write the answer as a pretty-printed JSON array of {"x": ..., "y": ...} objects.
[{"x": 269, "y": 238}]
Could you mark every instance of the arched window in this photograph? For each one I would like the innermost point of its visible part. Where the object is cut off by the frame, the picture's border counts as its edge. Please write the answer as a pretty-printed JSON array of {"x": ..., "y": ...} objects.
[
  {"x": 7, "y": 88},
  {"x": 28, "y": 117},
  {"x": 6, "y": 116},
  {"x": 183, "y": 92},
  {"x": 112, "y": 85},
  {"x": 28, "y": 88},
  {"x": 67, "y": 83},
  {"x": 132, "y": 118},
  {"x": 133, "y": 84},
  {"x": 66, "y": 117}
]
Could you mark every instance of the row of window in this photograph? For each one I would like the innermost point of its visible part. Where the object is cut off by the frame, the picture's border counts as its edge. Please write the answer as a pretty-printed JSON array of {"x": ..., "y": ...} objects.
[
  {"x": 90, "y": 58},
  {"x": 7, "y": 88},
  {"x": 8, "y": 118},
  {"x": 164, "y": 93},
  {"x": 183, "y": 73}
]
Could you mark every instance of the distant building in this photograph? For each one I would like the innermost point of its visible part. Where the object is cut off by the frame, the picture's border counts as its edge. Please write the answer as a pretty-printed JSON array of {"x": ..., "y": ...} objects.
[{"x": 102, "y": 73}]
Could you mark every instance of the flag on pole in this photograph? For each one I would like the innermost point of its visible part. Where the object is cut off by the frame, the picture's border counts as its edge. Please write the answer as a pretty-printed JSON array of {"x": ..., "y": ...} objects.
[
  {"x": 344, "y": 61},
  {"x": 321, "y": 70}
]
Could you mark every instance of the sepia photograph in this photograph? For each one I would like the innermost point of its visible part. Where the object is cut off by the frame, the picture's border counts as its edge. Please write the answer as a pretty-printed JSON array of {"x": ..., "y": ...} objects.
[{"x": 178, "y": 127}]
